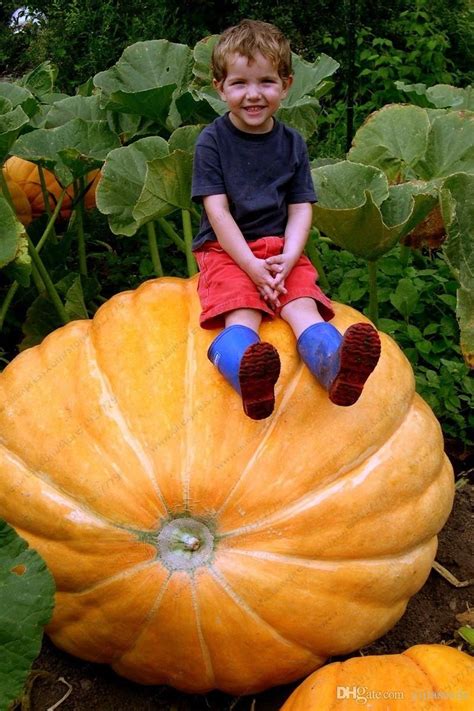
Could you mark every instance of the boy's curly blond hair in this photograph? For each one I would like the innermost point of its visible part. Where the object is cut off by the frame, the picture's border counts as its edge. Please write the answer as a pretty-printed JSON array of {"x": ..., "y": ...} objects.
[{"x": 248, "y": 38}]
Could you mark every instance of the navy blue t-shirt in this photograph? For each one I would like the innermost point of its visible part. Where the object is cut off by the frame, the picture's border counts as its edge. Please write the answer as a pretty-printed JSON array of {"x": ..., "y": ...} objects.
[{"x": 261, "y": 174}]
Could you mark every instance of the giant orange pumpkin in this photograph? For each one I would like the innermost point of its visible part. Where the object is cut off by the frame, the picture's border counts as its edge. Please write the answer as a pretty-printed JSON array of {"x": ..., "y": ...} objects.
[
  {"x": 426, "y": 677},
  {"x": 196, "y": 547},
  {"x": 23, "y": 175}
]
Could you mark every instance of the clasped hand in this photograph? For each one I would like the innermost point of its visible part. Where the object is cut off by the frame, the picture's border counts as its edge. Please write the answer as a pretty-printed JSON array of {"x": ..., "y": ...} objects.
[{"x": 269, "y": 276}]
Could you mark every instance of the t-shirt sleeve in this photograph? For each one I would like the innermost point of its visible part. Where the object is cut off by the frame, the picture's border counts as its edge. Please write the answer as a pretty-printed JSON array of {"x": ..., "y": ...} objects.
[
  {"x": 301, "y": 188},
  {"x": 207, "y": 169}
]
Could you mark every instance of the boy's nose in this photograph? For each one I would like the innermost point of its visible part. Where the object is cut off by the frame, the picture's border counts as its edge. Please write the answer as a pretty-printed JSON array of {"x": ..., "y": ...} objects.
[{"x": 253, "y": 91}]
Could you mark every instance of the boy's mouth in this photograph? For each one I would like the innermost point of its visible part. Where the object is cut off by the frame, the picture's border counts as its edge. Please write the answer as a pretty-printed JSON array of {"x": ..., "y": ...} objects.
[{"x": 253, "y": 109}]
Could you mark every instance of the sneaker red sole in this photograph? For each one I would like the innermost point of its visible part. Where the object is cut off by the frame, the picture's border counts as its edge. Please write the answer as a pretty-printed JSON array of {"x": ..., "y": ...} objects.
[
  {"x": 360, "y": 352},
  {"x": 258, "y": 373}
]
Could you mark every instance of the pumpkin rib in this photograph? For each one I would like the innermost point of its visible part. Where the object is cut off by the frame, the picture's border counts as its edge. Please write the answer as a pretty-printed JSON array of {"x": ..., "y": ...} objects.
[
  {"x": 430, "y": 680},
  {"x": 206, "y": 655},
  {"x": 188, "y": 416},
  {"x": 128, "y": 435},
  {"x": 270, "y": 426},
  {"x": 333, "y": 487},
  {"x": 226, "y": 586},
  {"x": 153, "y": 610}
]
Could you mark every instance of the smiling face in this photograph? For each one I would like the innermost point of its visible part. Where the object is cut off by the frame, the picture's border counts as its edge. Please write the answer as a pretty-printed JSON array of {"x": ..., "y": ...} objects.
[{"x": 253, "y": 90}]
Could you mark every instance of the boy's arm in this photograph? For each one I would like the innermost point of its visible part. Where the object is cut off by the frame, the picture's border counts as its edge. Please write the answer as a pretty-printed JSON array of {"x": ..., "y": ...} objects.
[
  {"x": 296, "y": 236},
  {"x": 233, "y": 242}
]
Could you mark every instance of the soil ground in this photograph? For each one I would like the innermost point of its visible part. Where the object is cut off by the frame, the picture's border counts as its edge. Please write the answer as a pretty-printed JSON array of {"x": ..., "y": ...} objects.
[{"x": 429, "y": 618}]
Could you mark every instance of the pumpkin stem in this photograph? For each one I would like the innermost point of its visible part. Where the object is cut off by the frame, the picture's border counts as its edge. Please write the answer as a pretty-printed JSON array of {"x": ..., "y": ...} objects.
[
  {"x": 373, "y": 296},
  {"x": 188, "y": 240},
  {"x": 153, "y": 246},
  {"x": 191, "y": 543},
  {"x": 47, "y": 206},
  {"x": 79, "y": 189}
]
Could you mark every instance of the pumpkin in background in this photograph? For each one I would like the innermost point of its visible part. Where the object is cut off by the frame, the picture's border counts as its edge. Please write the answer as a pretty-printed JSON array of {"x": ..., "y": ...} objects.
[
  {"x": 25, "y": 176},
  {"x": 423, "y": 678},
  {"x": 191, "y": 545},
  {"x": 20, "y": 202}
]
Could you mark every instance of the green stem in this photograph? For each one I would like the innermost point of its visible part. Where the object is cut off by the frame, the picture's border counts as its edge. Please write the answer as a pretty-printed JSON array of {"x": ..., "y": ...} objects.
[
  {"x": 36, "y": 277},
  {"x": 79, "y": 189},
  {"x": 50, "y": 226},
  {"x": 188, "y": 239},
  {"x": 47, "y": 206},
  {"x": 373, "y": 297},
  {"x": 313, "y": 254},
  {"x": 171, "y": 233},
  {"x": 5, "y": 191},
  {"x": 50, "y": 288},
  {"x": 7, "y": 301},
  {"x": 153, "y": 245}
]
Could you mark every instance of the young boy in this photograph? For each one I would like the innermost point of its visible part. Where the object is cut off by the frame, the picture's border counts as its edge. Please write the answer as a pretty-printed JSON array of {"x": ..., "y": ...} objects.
[{"x": 252, "y": 174}]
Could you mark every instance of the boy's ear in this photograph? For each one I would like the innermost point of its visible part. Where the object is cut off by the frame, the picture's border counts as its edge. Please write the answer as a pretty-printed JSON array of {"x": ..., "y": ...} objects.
[
  {"x": 287, "y": 82},
  {"x": 218, "y": 86}
]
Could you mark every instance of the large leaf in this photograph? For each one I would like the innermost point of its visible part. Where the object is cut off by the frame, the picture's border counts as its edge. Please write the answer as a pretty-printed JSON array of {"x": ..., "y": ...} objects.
[
  {"x": 308, "y": 78},
  {"x": 122, "y": 181},
  {"x": 394, "y": 139},
  {"x": 440, "y": 95},
  {"x": 457, "y": 207},
  {"x": 450, "y": 147},
  {"x": 12, "y": 121},
  {"x": 83, "y": 107},
  {"x": 40, "y": 80},
  {"x": 147, "y": 79},
  {"x": 202, "y": 54},
  {"x": 26, "y": 605},
  {"x": 71, "y": 150},
  {"x": 19, "y": 96},
  {"x": 360, "y": 213},
  {"x": 11, "y": 233},
  {"x": 344, "y": 184},
  {"x": 167, "y": 187}
]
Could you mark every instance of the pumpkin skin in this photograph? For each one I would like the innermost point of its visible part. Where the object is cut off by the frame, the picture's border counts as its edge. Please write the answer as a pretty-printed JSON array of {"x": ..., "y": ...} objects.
[
  {"x": 25, "y": 175},
  {"x": 20, "y": 202},
  {"x": 191, "y": 545},
  {"x": 424, "y": 677}
]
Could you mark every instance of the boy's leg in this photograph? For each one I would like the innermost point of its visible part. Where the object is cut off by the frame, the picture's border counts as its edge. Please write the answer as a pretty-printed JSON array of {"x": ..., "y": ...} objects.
[
  {"x": 342, "y": 364},
  {"x": 250, "y": 366}
]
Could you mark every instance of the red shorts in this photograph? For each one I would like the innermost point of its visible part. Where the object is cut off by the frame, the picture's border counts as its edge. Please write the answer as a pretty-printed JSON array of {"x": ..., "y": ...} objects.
[{"x": 223, "y": 286}]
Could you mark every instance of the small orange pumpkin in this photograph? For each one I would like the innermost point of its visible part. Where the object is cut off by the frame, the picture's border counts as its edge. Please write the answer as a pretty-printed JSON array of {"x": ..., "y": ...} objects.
[
  {"x": 25, "y": 176},
  {"x": 423, "y": 678},
  {"x": 191, "y": 545}
]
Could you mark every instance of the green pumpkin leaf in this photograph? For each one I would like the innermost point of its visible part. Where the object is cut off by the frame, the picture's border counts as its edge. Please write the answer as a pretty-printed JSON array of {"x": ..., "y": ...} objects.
[
  {"x": 122, "y": 181},
  {"x": 83, "y": 107},
  {"x": 394, "y": 139},
  {"x": 19, "y": 96},
  {"x": 202, "y": 53},
  {"x": 308, "y": 77},
  {"x": 11, "y": 233},
  {"x": 147, "y": 79},
  {"x": 11, "y": 123},
  {"x": 184, "y": 138},
  {"x": 167, "y": 187},
  {"x": 440, "y": 95},
  {"x": 450, "y": 147},
  {"x": 457, "y": 208},
  {"x": 359, "y": 211},
  {"x": 71, "y": 150},
  {"x": 26, "y": 605},
  {"x": 40, "y": 81}
]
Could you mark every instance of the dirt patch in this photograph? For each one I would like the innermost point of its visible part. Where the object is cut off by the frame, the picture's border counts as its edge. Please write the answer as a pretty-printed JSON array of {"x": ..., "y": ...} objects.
[{"x": 430, "y": 617}]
